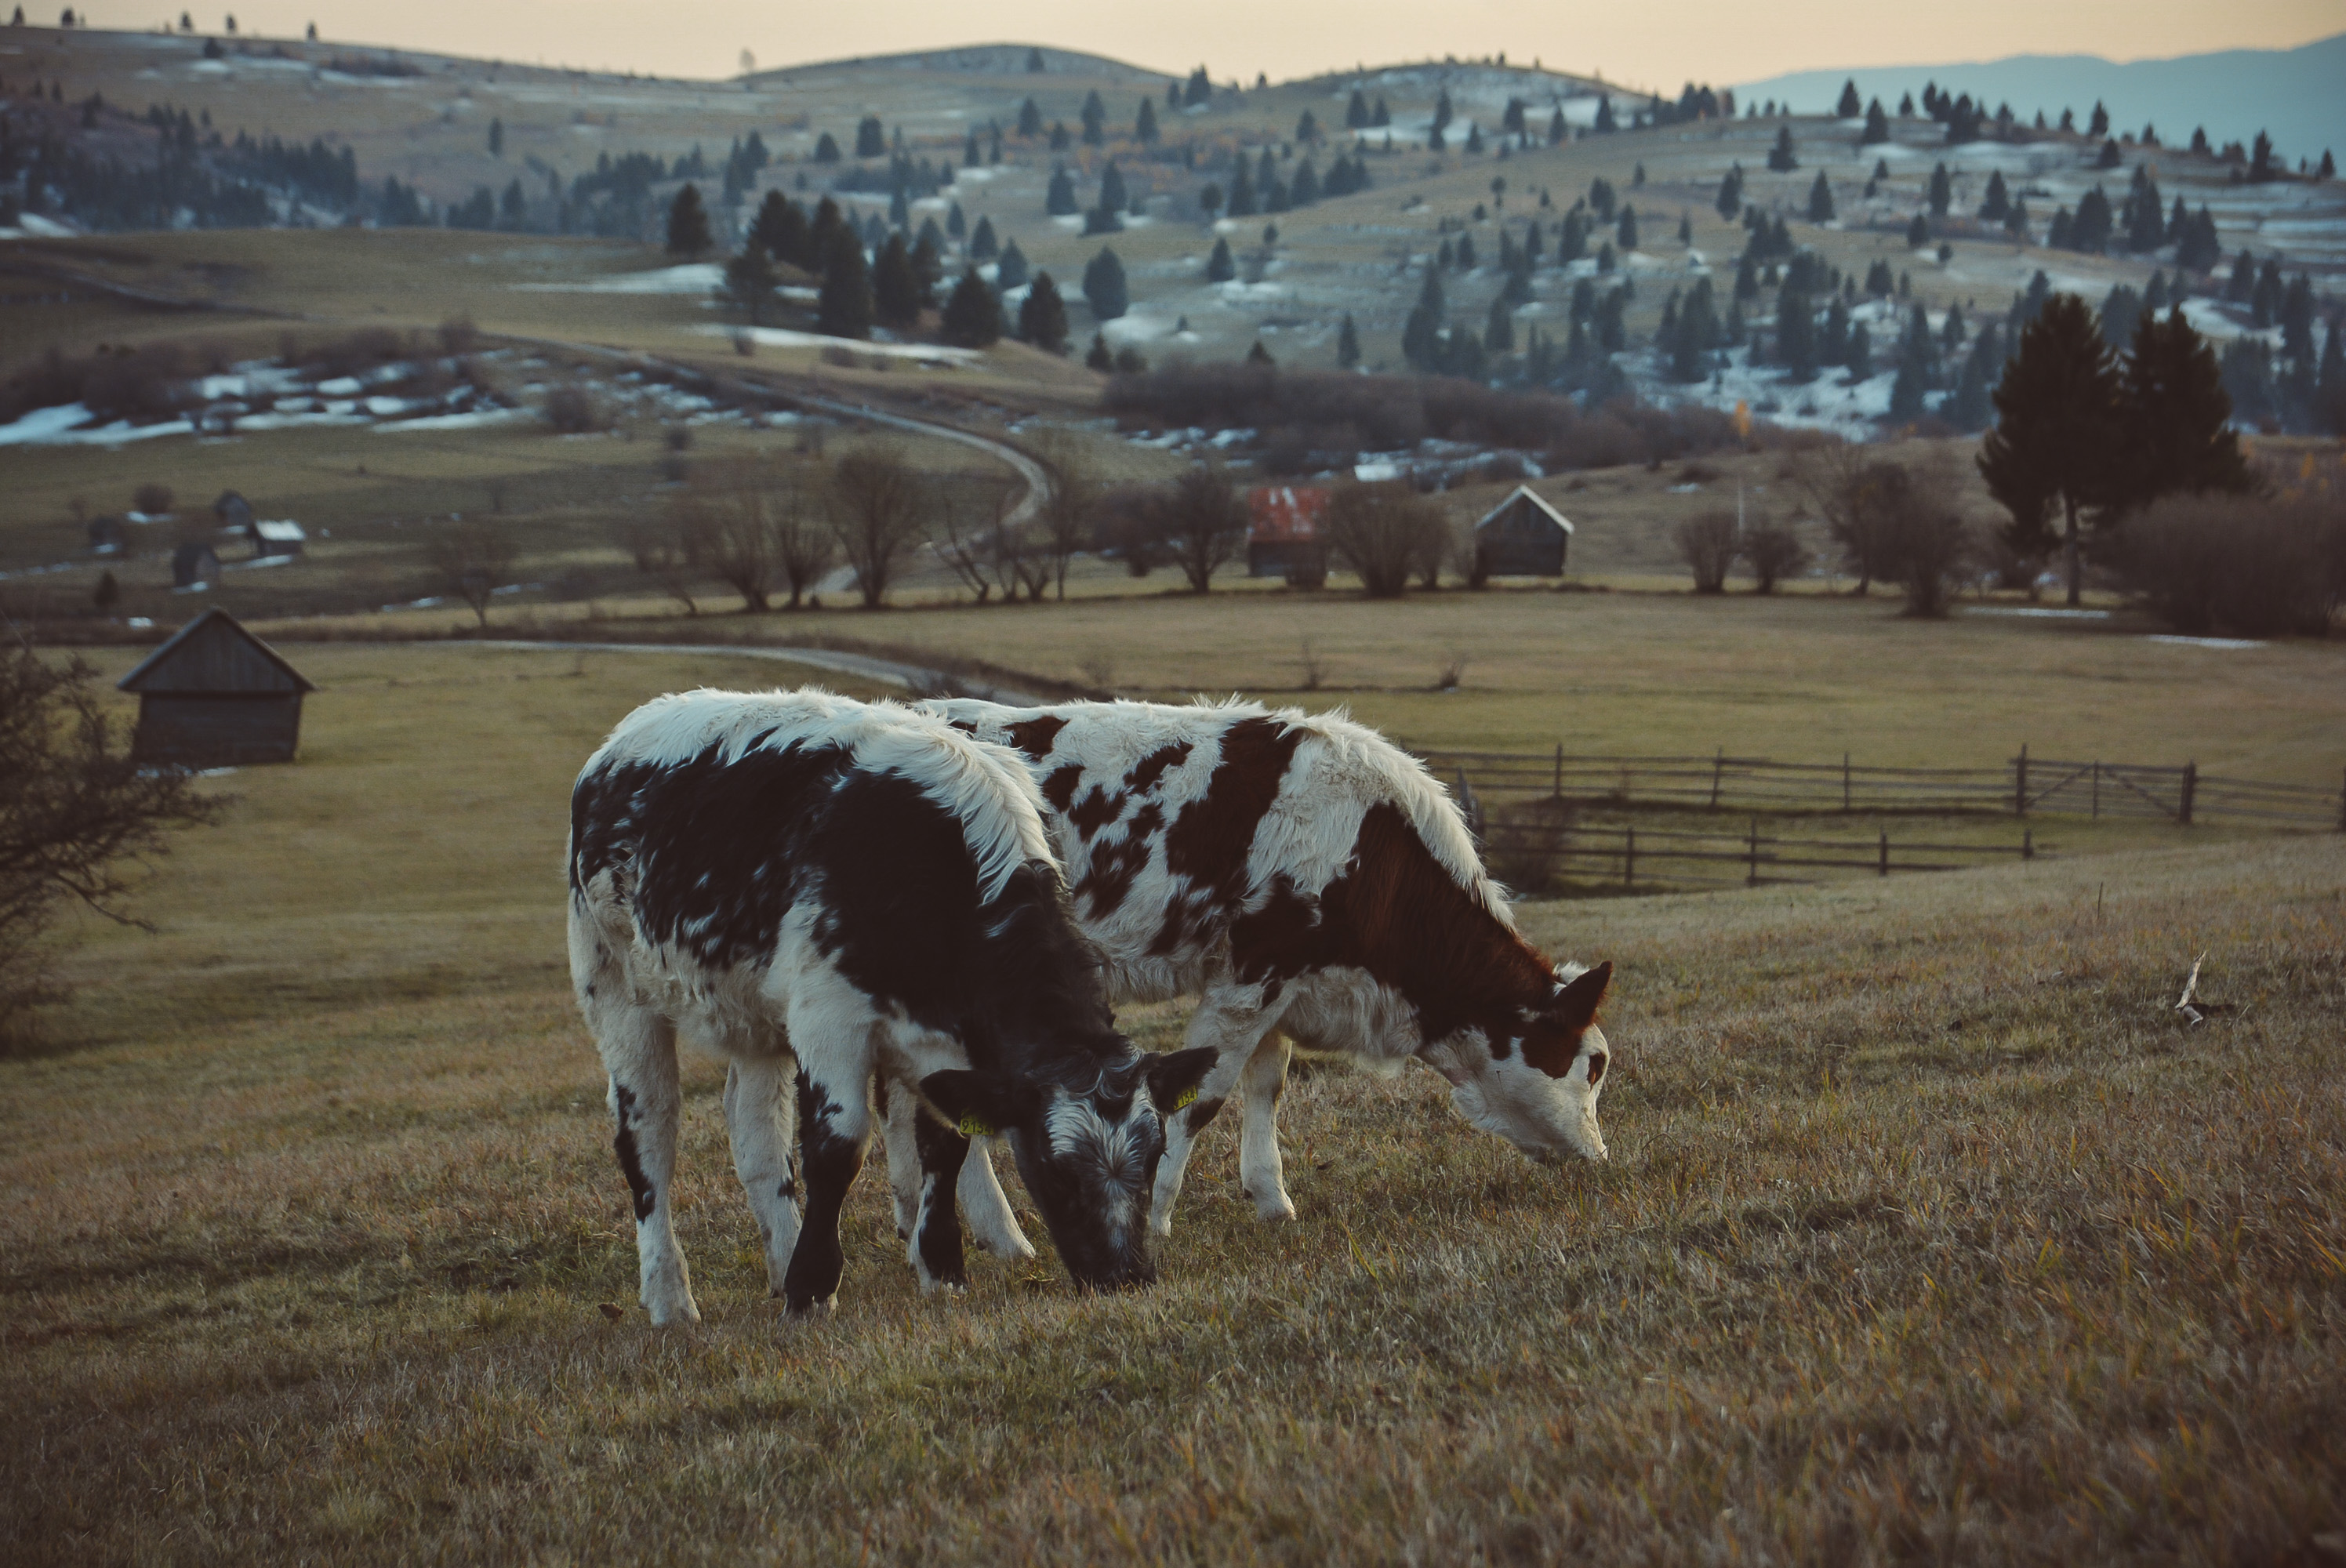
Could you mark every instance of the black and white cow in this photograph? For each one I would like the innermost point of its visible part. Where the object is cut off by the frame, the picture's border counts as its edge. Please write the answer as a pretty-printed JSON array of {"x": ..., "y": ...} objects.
[
  {"x": 1305, "y": 878},
  {"x": 817, "y": 888}
]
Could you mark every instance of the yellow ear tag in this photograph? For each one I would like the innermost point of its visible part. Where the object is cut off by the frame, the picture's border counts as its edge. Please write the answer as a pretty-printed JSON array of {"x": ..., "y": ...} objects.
[
  {"x": 971, "y": 1127},
  {"x": 1189, "y": 1098}
]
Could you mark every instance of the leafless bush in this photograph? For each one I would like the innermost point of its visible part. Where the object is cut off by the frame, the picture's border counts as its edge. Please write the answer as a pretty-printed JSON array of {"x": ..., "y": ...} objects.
[
  {"x": 1200, "y": 521},
  {"x": 2245, "y": 565},
  {"x": 355, "y": 353},
  {"x": 577, "y": 407},
  {"x": 1773, "y": 552},
  {"x": 1069, "y": 513},
  {"x": 1382, "y": 533},
  {"x": 974, "y": 535},
  {"x": 873, "y": 503},
  {"x": 1707, "y": 543},
  {"x": 1860, "y": 498},
  {"x": 1453, "y": 671},
  {"x": 143, "y": 384}
]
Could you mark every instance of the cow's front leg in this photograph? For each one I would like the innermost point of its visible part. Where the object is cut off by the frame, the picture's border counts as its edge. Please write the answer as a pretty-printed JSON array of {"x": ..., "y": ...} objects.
[
  {"x": 1260, "y": 1086},
  {"x": 834, "y": 1131},
  {"x": 900, "y": 1118},
  {"x": 638, "y": 1050},
  {"x": 761, "y": 1114},
  {"x": 936, "y": 1233},
  {"x": 986, "y": 1207},
  {"x": 1232, "y": 1023}
]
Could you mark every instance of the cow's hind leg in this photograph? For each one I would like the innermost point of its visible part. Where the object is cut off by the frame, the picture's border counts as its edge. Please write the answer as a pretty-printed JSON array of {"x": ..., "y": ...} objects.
[
  {"x": 834, "y": 1131},
  {"x": 1233, "y": 1023},
  {"x": 937, "y": 1234},
  {"x": 638, "y": 1050},
  {"x": 761, "y": 1114},
  {"x": 899, "y": 1115},
  {"x": 1260, "y": 1086}
]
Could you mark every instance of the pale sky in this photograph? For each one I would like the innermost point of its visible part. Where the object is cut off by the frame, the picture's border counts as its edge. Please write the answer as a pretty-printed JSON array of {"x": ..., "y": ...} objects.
[{"x": 1717, "y": 41}]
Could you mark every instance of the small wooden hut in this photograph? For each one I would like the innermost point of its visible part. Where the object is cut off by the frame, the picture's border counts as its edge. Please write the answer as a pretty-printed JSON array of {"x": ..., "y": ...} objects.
[
  {"x": 216, "y": 695},
  {"x": 1283, "y": 537},
  {"x": 195, "y": 565},
  {"x": 1523, "y": 536}
]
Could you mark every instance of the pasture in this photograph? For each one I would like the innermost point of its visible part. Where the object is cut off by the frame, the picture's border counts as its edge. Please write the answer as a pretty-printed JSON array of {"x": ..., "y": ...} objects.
[{"x": 1930, "y": 1229}]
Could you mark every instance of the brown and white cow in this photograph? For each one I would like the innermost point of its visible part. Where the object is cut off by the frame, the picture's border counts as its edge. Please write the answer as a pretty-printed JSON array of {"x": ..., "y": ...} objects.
[{"x": 1308, "y": 880}]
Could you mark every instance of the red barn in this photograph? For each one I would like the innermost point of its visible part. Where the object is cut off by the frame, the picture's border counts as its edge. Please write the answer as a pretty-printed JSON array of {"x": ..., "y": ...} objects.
[{"x": 1284, "y": 538}]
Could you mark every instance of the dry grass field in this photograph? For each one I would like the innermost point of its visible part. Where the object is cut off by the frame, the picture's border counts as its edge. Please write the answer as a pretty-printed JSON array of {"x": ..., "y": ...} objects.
[{"x": 1930, "y": 1233}]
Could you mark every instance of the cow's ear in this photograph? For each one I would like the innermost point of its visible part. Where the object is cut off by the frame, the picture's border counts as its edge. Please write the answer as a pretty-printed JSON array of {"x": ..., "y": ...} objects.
[
  {"x": 1173, "y": 1079},
  {"x": 1576, "y": 1009},
  {"x": 979, "y": 1103}
]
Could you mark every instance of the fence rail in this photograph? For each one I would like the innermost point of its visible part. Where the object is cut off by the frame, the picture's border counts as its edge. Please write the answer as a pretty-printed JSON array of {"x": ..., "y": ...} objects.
[
  {"x": 2022, "y": 787},
  {"x": 1528, "y": 855}
]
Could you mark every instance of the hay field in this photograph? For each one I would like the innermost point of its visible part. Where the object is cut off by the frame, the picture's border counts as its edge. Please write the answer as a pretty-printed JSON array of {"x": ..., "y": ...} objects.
[{"x": 1929, "y": 1231}]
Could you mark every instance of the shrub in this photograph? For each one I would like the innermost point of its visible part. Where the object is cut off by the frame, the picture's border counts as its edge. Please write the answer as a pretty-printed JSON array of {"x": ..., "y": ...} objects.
[
  {"x": 575, "y": 408},
  {"x": 2239, "y": 564},
  {"x": 1382, "y": 533},
  {"x": 1707, "y": 543},
  {"x": 154, "y": 500}
]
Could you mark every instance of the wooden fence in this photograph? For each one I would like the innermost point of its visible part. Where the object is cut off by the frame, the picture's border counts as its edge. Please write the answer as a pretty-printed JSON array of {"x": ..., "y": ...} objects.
[
  {"x": 1529, "y": 855},
  {"x": 2025, "y": 786}
]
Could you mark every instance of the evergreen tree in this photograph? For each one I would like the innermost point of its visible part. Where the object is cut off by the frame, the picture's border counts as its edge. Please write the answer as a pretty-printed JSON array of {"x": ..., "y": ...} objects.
[
  {"x": 1420, "y": 343},
  {"x": 1043, "y": 316},
  {"x": 1821, "y": 199},
  {"x": 1104, "y": 286},
  {"x": 957, "y": 226},
  {"x": 1144, "y": 125},
  {"x": 1860, "y": 358},
  {"x": 1556, "y": 130},
  {"x": 496, "y": 139},
  {"x": 1030, "y": 121},
  {"x": 1796, "y": 335},
  {"x": 2329, "y": 385},
  {"x": 1356, "y": 112},
  {"x": 871, "y": 137},
  {"x": 1605, "y": 124},
  {"x": 982, "y": 245},
  {"x": 1011, "y": 271},
  {"x": 688, "y": 225},
  {"x": 1877, "y": 125},
  {"x": 973, "y": 315},
  {"x": 826, "y": 149},
  {"x": 1833, "y": 342},
  {"x": 1971, "y": 408},
  {"x": 1100, "y": 359},
  {"x": 1095, "y": 119},
  {"x": 1259, "y": 355},
  {"x": 1348, "y": 338},
  {"x": 2176, "y": 417},
  {"x": 1848, "y": 108},
  {"x": 1499, "y": 330},
  {"x": 781, "y": 228},
  {"x": 1730, "y": 192},
  {"x": 1628, "y": 229},
  {"x": 843, "y": 306},
  {"x": 2059, "y": 434},
  {"x": 1942, "y": 191},
  {"x": 1241, "y": 203},
  {"x": 1059, "y": 200},
  {"x": 1220, "y": 268},
  {"x": 1686, "y": 227},
  {"x": 895, "y": 291},
  {"x": 1781, "y": 157},
  {"x": 1997, "y": 204},
  {"x": 750, "y": 282}
]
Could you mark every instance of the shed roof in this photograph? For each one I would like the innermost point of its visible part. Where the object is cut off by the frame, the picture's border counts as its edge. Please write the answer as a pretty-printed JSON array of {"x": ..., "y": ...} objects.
[
  {"x": 214, "y": 653},
  {"x": 1526, "y": 493}
]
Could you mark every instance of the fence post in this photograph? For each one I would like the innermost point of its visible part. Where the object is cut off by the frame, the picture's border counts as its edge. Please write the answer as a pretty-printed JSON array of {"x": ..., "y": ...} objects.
[
  {"x": 1844, "y": 783},
  {"x": 1629, "y": 861},
  {"x": 2020, "y": 783},
  {"x": 2191, "y": 787},
  {"x": 2028, "y": 843},
  {"x": 1558, "y": 790},
  {"x": 1885, "y": 851},
  {"x": 1753, "y": 880},
  {"x": 1717, "y": 767}
]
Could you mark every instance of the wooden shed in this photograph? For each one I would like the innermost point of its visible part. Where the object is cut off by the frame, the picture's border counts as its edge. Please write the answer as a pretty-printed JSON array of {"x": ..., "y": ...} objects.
[
  {"x": 1283, "y": 534},
  {"x": 214, "y": 696},
  {"x": 1523, "y": 536}
]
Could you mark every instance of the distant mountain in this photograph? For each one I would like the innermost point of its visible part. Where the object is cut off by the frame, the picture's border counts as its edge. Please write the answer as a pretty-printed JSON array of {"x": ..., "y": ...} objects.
[
  {"x": 979, "y": 60},
  {"x": 2297, "y": 96}
]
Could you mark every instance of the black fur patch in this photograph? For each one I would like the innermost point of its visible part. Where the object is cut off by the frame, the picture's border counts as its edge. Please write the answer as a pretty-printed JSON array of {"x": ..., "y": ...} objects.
[
  {"x": 630, "y": 1162},
  {"x": 942, "y": 1151},
  {"x": 1201, "y": 1113},
  {"x": 829, "y": 1168}
]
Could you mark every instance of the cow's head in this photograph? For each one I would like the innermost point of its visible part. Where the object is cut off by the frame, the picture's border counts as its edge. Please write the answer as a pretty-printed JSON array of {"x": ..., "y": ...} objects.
[
  {"x": 1087, "y": 1141},
  {"x": 1533, "y": 1079}
]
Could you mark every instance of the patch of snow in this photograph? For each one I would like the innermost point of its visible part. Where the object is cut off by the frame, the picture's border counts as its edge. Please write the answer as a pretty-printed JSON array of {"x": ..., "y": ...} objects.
[
  {"x": 340, "y": 414},
  {"x": 43, "y": 426},
  {"x": 341, "y": 386},
  {"x": 693, "y": 278},
  {"x": 2038, "y": 612},
  {"x": 2225, "y": 642},
  {"x": 473, "y": 421},
  {"x": 782, "y": 338}
]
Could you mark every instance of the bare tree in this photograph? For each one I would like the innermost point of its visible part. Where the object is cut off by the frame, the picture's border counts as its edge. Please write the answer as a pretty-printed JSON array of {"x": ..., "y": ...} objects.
[
  {"x": 1846, "y": 489},
  {"x": 725, "y": 513},
  {"x": 473, "y": 561},
  {"x": 75, "y": 812},
  {"x": 1928, "y": 541},
  {"x": 875, "y": 504},
  {"x": 975, "y": 538},
  {"x": 804, "y": 544},
  {"x": 1707, "y": 543},
  {"x": 1065, "y": 512},
  {"x": 1203, "y": 520},
  {"x": 1382, "y": 532}
]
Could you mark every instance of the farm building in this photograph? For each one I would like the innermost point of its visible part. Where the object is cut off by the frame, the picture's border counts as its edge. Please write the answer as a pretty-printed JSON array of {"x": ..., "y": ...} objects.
[
  {"x": 280, "y": 538},
  {"x": 195, "y": 565},
  {"x": 215, "y": 695},
  {"x": 1522, "y": 536},
  {"x": 1283, "y": 535}
]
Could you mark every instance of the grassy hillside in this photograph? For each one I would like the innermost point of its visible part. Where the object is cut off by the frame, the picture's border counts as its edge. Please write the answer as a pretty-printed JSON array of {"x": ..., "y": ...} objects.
[{"x": 1928, "y": 1230}]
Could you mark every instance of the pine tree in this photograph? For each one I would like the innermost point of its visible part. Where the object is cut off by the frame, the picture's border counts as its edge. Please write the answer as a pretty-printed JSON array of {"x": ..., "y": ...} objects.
[
  {"x": 1877, "y": 125},
  {"x": 871, "y": 137},
  {"x": 1219, "y": 266},
  {"x": 1848, "y": 108},
  {"x": 750, "y": 281},
  {"x": 1043, "y": 316},
  {"x": 1556, "y": 130},
  {"x": 688, "y": 225},
  {"x": 2329, "y": 387},
  {"x": 1942, "y": 191},
  {"x": 1781, "y": 157},
  {"x": 1796, "y": 335},
  {"x": 1860, "y": 357},
  {"x": 496, "y": 139},
  {"x": 1628, "y": 233},
  {"x": 1420, "y": 338},
  {"x": 1104, "y": 288},
  {"x": 1356, "y": 112},
  {"x": 1144, "y": 124},
  {"x": 1348, "y": 342},
  {"x": 1099, "y": 359},
  {"x": 2059, "y": 435},
  {"x": 1095, "y": 119},
  {"x": 1730, "y": 192},
  {"x": 2177, "y": 416},
  {"x": 843, "y": 308},
  {"x": 895, "y": 291},
  {"x": 1059, "y": 200},
  {"x": 1030, "y": 121},
  {"x": 1996, "y": 206},
  {"x": 982, "y": 245},
  {"x": 1011, "y": 271},
  {"x": 973, "y": 315},
  {"x": 1821, "y": 199}
]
